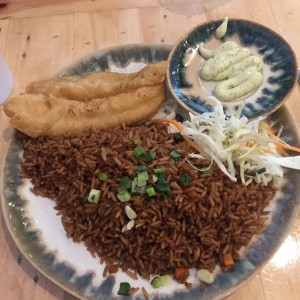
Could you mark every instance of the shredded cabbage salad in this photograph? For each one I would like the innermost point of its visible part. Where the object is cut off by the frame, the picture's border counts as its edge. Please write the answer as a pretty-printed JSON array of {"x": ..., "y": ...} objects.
[{"x": 232, "y": 141}]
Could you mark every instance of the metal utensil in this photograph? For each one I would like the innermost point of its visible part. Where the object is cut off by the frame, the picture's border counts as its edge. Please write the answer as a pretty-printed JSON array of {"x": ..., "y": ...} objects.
[{"x": 6, "y": 81}]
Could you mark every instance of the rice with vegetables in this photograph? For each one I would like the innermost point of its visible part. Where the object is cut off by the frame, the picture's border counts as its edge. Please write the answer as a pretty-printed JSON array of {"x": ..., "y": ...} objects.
[{"x": 133, "y": 198}]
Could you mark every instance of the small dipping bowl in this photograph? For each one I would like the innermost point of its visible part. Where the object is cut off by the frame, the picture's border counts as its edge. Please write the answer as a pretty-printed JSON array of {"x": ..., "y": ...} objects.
[{"x": 279, "y": 69}]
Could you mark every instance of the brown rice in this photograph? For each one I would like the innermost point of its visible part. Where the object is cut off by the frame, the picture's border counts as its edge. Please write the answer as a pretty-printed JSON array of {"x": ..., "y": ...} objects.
[{"x": 168, "y": 232}]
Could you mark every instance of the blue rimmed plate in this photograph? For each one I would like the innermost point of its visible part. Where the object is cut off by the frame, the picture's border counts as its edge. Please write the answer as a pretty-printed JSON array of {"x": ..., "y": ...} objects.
[
  {"x": 279, "y": 70},
  {"x": 39, "y": 234}
]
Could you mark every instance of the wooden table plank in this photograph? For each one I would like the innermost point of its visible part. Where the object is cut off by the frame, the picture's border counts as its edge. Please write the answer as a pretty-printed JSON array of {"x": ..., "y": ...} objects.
[
  {"x": 50, "y": 37},
  {"x": 26, "y": 38},
  {"x": 31, "y": 8},
  {"x": 287, "y": 17},
  {"x": 3, "y": 35}
]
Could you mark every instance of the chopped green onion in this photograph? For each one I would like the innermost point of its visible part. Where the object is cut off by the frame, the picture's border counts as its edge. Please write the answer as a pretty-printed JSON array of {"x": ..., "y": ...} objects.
[
  {"x": 150, "y": 124},
  {"x": 185, "y": 179},
  {"x": 154, "y": 178},
  {"x": 130, "y": 213},
  {"x": 136, "y": 141},
  {"x": 161, "y": 281},
  {"x": 124, "y": 289},
  {"x": 162, "y": 185},
  {"x": 140, "y": 189},
  {"x": 135, "y": 188},
  {"x": 150, "y": 191},
  {"x": 205, "y": 276},
  {"x": 150, "y": 156},
  {"x": 177, "y": 137},
  {"x": 142, "y": 178},
  {"x": 158, "y": 170},
  {"x": 173, "y": 265},
  {"x": 162, "y": 181},
  {"x": 260, "y": 171},
  {"x": 206, "y": 170},
  {"x": 124, "y": 195},
  {"x": 134, "y": 185},
  {"x": 139, "y": 151},
  {"x": 174, "y": 154},
  {"x": 141, "y": 168},
  {"x": 125, "y": 182},
  {"x": 165, "y": 280},
  {"x": 103, "y": 176},
  {"x": 156, "y": 282},
  {"x": 94, "y": 196},
  {"x": 128, "y": 226},
  {"x": 167, "y": 193}
]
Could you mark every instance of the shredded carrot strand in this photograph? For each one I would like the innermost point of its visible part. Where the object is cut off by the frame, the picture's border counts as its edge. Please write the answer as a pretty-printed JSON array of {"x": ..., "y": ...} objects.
[
  {"x": 272, "y": 130},
  {"x": 194, "y": 145},
  {"x": 282, "y": 145},
  {"x": 171, "y": 121},
  {"x": 180, "y": 128},
  {"x": 281, "y": 150},
  {"x": 288, "y": 147},
  {"x": 272, "y": 135}
]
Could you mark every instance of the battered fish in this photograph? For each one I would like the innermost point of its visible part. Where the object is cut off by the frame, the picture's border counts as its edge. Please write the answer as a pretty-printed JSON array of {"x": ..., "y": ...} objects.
[
  {"x": 99, "y": 84},
  {"x": 44, "y": 113}
]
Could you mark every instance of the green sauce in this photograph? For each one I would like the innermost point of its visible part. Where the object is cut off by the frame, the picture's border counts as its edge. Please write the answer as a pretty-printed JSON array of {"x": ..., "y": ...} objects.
[
  {"x": 239, "y": 71},
  {"x": 221, "y": 30},
  {"x": 236, "y": 70}
]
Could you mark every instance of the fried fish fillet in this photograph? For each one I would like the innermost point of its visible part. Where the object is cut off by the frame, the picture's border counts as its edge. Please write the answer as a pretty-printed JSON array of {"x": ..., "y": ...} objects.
[
  {"x": 52, "y": 114},
  {"x": 99, "y": 84}
]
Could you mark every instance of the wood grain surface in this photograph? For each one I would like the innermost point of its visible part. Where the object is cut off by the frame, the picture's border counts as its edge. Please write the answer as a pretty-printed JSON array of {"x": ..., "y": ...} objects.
[{"x": 38, "y": 38}]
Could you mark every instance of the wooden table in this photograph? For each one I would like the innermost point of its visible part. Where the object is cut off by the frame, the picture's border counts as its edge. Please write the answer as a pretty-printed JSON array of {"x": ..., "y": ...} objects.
[{"x": 39, "y": 37}]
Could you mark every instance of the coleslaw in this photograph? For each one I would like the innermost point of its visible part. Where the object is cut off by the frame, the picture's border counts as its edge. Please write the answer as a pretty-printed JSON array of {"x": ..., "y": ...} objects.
[{"x": 234, "y": 141}]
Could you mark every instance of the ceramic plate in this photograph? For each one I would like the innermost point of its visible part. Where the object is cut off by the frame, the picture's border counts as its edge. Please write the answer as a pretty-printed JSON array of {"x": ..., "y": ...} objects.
[
  {"x": 279, "y": 70},
  {"x": 38, "y": 232}
]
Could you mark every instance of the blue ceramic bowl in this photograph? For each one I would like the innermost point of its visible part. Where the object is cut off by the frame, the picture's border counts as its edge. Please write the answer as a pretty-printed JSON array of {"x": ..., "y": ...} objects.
[{"x": 279, "y": 70}]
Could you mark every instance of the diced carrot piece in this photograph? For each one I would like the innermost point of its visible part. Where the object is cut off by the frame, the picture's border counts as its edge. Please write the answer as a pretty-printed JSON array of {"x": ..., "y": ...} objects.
[
  {"x": 281, "y": 150},
  {"x": 228, "y": 260},
  {"x": 181, "y": 274},
  {"x": 282, "y": 145},
  {"x": 288, "y": 147}
]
